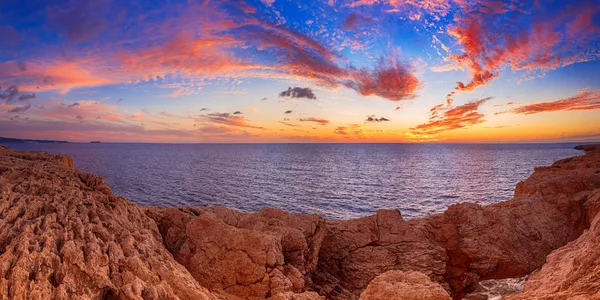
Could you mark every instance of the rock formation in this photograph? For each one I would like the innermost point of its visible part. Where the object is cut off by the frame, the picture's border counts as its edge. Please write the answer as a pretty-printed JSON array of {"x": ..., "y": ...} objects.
[
  {"x": 468, "y": 242},
  {"x": 63, "y": 234},
  {"x": 572, "y": 271},
  {"x": 400, "y": 285},
  {"x": 243, "y": 254}
]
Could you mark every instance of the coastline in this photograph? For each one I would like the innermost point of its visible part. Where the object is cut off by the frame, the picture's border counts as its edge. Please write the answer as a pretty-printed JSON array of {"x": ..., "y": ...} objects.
[{"x": 65, "y": 235}]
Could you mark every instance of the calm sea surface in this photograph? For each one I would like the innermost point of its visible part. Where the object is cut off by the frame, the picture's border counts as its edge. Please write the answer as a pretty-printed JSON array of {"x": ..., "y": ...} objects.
[{"x": 337, "y": 181}]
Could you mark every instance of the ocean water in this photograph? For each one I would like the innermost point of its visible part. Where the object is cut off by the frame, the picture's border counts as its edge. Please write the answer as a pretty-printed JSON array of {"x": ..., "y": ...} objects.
[{"x": 338, "y": 181}]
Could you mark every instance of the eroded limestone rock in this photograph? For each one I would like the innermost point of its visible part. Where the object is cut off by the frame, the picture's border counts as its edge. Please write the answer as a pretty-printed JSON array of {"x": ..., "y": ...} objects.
[
  {"x": 64, "y": 235},
  {"x": 400, "y": 285}
]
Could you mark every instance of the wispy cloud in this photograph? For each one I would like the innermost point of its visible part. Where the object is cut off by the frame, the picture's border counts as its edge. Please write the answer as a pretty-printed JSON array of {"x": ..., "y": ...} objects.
[
  {"x": 229, "y": 120},
  {"x": 288, "y": 124},
  {"x": 351, "y": 129},
  {"x": 319, "y": 121},
  {"x": 584, "y": 100}
]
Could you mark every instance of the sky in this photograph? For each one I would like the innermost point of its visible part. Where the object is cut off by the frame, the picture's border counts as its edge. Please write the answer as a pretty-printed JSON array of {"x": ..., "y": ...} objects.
[{"x": 300, "y": 71}]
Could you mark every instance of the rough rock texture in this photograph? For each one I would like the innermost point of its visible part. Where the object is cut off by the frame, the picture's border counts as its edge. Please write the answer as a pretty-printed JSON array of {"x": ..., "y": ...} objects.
[
  {"x": 244, "y": 254},
  {"x": 468, "y": 242},
  {"x": 64, "y": 235},
  {"x": 497, "y": 289},
  {"x": 572, "y": 271},
  {"x": 400, "y": 285},
  {"x": 356, "y": 251}
]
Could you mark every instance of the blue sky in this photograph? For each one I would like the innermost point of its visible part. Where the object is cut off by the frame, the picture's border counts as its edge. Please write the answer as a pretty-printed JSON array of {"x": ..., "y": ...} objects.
[{"x": 380, "y": 71}]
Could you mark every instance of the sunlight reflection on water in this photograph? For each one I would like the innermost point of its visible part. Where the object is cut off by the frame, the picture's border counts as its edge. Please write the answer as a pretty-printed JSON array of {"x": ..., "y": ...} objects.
[{"x": 338, "y": 181}]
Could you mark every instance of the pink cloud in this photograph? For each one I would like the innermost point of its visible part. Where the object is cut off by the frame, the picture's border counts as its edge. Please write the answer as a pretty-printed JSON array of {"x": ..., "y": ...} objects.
[{"x": 584, "y": 100}]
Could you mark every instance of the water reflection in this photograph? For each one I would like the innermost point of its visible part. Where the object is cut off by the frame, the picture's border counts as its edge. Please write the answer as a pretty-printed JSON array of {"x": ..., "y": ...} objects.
[{"x": 334, "y": 180}]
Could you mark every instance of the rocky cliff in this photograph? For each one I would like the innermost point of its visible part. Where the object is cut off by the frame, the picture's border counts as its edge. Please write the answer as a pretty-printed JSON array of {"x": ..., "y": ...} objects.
[{"x": 63, "y": 234}]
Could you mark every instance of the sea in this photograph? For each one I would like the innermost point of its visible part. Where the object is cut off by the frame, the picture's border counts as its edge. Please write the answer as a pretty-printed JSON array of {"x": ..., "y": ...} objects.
[{"x": 337, "y": 181}]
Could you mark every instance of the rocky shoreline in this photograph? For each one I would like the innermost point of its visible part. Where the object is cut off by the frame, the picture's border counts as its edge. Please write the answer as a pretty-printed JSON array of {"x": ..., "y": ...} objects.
[{"x": 64, "y": 235}]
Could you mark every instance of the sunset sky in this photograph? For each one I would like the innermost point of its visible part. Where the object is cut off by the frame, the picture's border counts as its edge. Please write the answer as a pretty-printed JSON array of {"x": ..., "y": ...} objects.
[{"x": 301, "y": 71}]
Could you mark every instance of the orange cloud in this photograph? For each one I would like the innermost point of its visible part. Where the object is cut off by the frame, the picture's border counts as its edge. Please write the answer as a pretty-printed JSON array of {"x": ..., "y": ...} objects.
[
  {"x": 351, "y": 129},
  {"x": 444, "y": 118},
  {"x": 584, "y": 100}
]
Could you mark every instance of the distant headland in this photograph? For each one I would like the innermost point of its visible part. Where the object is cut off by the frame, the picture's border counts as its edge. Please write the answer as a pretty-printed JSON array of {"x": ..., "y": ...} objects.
[{"x": 16, "y": 140}]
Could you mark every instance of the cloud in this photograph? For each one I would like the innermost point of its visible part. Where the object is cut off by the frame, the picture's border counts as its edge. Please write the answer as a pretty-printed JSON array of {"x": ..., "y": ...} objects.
[
  {"x": 230, "y": 120},
  {"x": 288, "y": 111},
  {"x": 215, "y": 129},
  {"x": 238, "y": 113},
  {"x": 495, "y": 35},
  {"x": 88, "y": 109},
  {"x": 298, "y": 92},
  {"x": 445, "y": 118},
  {"x": 288, "y": 124},
  {"x": 12, "y": 94},
  {"x": 392, "y": 79},
  {"x": 351, "y": 129},
  {"x": 19, "y": 108},
  {"x": 583, "y": 100},
  {"x": 320, "y": 121},
  {"x": 413, "y": 9},
  {"x": 372, "y": 118},
  {"x": 194, "y": 43}
]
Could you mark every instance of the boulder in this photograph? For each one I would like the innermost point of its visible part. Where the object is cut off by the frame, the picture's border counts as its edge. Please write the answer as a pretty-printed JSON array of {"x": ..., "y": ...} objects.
[{"x": 400, "y": 285}]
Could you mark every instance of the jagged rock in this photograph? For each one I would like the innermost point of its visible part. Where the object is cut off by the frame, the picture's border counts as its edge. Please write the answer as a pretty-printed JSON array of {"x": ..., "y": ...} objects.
[
  {"x": 243, "y": 254},
  {"x": 64, "y": 235},
  {"x": 400, "y": 285},
  {"x": 497, "y": 288},
  {"x": 468, "y": 242},
  {"x": 356, "y": 251},
  {"x": 572, "y": 271}
]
